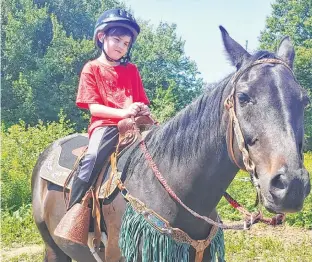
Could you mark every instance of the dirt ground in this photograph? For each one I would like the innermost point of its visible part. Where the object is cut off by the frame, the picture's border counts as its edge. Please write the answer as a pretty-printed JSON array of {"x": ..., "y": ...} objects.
[{"x": 6, "y": 254}]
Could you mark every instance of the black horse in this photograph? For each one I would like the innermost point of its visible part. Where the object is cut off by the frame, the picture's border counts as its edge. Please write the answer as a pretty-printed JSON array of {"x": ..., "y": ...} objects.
[{"x": 195, "y": 154}]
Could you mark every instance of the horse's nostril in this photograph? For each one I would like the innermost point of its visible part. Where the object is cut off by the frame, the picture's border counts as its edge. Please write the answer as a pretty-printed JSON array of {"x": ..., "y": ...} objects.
[{"x": 277, "y": 182}]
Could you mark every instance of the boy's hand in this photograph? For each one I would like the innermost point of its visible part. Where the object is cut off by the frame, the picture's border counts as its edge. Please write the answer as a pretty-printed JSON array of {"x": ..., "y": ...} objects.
[
  {"x": 132, "y": 110},
  {"x": 145, "y": 111},
  {"x": 137, "y": 109}
]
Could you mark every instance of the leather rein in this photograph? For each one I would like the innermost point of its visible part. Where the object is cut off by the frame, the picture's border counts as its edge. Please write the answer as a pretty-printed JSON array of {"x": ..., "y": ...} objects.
[{"x": 234, "y": 127}]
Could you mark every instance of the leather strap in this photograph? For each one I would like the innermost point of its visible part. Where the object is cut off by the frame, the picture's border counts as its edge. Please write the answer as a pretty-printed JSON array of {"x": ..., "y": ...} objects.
[
  {"x": 66, "y": 199},
  {"x": 96, "y": 211}
]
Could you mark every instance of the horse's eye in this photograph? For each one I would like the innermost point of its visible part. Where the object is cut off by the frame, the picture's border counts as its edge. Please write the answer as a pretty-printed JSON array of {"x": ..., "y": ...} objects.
[{"x": 243, "y": 98}]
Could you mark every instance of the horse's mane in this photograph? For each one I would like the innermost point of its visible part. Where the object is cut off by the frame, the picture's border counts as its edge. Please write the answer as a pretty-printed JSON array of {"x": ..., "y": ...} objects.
[{"x": 182, "y": 136}]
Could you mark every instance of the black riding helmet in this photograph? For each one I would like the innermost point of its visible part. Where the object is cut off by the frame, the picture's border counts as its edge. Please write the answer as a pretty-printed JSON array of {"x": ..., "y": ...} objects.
[{"x": 115, "y": 18}]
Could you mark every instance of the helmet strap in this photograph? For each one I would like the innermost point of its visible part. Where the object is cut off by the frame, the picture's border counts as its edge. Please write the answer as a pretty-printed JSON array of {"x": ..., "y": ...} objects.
[
  {"x": 107, "y": 56},
  {"x": 123, "y": 60},
  {"x": 126, "y": 59}
]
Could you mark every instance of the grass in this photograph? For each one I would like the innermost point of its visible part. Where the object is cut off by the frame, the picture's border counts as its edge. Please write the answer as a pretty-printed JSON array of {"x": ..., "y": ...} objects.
[
  {"x": 18, "y": 228},
  {"x": 29, "y": 257},
  {"x": 290, "y": 243},
  {"x": 248, "y": 246},
  {"x": 262, "y": 243}
]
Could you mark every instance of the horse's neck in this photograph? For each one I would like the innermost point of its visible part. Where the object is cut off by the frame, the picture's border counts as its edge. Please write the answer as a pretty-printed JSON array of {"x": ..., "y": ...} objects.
[
  {"x": 206, "y": 176},
  {"x": 195, "y": 160},
  {"x": 199, "y": 180},
  {"x": 191, "y": 153}
]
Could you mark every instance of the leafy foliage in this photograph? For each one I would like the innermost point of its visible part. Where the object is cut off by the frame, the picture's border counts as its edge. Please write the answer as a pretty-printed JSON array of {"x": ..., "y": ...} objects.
[
  {"x": 294, "y": 18},
  {"x": 159, "y": 54},
  {"x": 20, "y": 148},
  {"x": 163, "y": 106},
  {"x": 19, "y": 227}
]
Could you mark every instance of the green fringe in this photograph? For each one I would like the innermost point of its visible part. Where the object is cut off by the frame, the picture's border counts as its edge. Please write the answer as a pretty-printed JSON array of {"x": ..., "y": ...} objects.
[
  {"x": 156, "y": 247},
  {"x": 217, "y": 248}
]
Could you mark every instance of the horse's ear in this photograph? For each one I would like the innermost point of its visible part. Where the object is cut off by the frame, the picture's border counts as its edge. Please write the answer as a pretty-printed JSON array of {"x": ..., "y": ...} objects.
[
  {"x": 286, "y": 51},
  {"x": 236, "y": 53}
]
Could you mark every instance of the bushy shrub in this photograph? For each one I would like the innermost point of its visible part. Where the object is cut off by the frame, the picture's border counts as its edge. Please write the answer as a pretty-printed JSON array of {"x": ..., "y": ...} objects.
[
  {"x": 18, "y": 227},
  {"x": 20, "y": 148}
]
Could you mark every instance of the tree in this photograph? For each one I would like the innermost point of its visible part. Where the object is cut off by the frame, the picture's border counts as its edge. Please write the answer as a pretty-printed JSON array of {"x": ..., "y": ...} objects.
[
  {"x": 163, "y": 106},
  {"x": 44, "y": 51},
  {"x": 294, "y": 18},
  {"x": 160, "y": 56},
  {"x": 46, "y": 43}
]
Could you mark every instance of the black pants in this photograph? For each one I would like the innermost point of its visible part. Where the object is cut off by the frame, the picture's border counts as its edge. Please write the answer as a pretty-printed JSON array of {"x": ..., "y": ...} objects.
[{"x": 102, "y": 144}]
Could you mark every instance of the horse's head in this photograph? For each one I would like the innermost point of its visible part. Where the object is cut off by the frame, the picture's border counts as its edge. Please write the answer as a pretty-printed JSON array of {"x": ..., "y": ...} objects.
[{"x": 268, "y": 104}]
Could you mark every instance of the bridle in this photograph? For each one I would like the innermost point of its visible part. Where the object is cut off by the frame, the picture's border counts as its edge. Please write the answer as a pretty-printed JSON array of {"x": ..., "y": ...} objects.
[{"x": 234, "y": 126}]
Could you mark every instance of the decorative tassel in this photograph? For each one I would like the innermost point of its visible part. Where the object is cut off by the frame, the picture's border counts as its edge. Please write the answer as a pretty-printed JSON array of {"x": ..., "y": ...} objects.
[
  {"x": 156, "y": 246},
  {"x": 217, "y": 247}
]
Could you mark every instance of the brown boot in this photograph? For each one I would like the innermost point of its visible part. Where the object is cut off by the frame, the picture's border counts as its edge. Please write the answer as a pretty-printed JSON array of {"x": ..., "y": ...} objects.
[{"x": 74, "y": 226}]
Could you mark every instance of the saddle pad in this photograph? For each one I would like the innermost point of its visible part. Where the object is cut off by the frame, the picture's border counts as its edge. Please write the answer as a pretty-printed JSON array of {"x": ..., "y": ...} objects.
[{"x": 62, "y": 156}]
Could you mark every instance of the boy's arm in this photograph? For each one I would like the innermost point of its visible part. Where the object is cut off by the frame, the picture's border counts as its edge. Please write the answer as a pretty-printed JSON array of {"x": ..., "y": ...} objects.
[{"x": 99, "y": 110}]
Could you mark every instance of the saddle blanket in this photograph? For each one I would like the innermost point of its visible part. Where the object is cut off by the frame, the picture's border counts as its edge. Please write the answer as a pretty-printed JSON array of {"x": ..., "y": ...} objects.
[{"x": 61, "y": 159}]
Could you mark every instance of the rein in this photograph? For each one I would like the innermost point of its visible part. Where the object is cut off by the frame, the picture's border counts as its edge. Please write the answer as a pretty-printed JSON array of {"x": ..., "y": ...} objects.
[
  {"x": 229, "y": 104},
  {"x": 162, "y": 180},
  {"x": 250, "y": 218}
]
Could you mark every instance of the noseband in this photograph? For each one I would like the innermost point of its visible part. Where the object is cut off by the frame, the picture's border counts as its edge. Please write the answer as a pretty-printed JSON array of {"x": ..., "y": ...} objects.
[{"x": 234, "y": 126}]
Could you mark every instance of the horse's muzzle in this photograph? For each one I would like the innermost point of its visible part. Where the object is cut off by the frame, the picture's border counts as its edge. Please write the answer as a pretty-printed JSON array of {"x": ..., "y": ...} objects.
[{"x": 286, "y": 191}]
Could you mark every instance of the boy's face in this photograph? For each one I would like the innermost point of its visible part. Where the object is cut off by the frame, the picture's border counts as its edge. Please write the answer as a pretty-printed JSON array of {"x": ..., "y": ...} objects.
[{"x": 116, "y": 46}]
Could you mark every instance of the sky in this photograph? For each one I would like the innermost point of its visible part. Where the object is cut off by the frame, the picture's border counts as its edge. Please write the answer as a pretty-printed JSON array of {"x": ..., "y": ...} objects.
[{"x": 198, "y": 24}]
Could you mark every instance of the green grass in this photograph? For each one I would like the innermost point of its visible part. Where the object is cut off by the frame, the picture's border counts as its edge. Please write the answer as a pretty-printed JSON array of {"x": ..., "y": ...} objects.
[
  {"x": 25, "y": 258},
  {"x": 247, "y": 246},
  {"x": 260, "y": 244},
  {"x": 18, "y": 228}
]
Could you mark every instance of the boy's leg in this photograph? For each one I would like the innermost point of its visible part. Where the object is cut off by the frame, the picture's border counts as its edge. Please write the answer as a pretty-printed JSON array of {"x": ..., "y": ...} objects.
[{"x": 102, "y": 143}]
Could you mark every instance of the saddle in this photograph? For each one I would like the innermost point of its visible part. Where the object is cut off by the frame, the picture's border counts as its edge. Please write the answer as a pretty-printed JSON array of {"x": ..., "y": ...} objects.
[
  {"x": 65, "y": 154},
  {"x": 75, "y": 224},
  {"x": 128, "y": 129}
]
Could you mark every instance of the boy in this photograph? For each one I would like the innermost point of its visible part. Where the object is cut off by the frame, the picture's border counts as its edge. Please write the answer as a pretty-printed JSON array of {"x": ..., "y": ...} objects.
[{"x": 111, "y": 88}]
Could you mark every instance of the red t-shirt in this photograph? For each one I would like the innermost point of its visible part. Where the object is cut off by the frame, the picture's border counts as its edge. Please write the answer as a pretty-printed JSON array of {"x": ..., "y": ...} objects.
[{"x": 113, "y": 86}]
